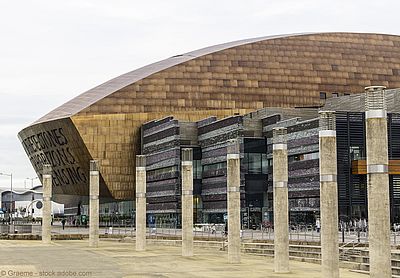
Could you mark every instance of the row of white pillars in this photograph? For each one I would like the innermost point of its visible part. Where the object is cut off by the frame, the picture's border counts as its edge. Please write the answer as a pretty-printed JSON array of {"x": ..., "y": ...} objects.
[
  {"x": 233, "y": 202},
  {"x": 378, "y": 190},
  {"x": 378, "y": 195},
  {"x": 94, "y": 181}
]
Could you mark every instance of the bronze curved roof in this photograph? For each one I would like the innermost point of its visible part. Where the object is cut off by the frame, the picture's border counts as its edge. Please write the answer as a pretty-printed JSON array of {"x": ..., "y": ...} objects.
[
  {"x": 99, "y": 92},
  {"x": 347, "y": 40}
]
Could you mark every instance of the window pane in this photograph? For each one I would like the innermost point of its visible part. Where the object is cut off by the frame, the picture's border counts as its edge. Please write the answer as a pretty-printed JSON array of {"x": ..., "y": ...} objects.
[
  {"x": 264, "y": 163},
  {"x": 254, "y": 163}
]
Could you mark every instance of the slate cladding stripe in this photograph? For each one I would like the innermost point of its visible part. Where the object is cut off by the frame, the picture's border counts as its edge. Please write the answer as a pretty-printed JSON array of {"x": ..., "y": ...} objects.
[
  {"x": 304, "y": 193},
  {"x": 304, "y": 179},
  {"x": 285, "y": 123},
  {"x": 162, "y": 134},
  {"x": 220, "y": 131},
  {"x": 163, "y": 176},
  {"x": 151, "y": 124},
  {"x": 206, "y": 121},
  {"x": 215, "y": 152},
  {"x": 159, "y": 128},
  {"x": 162, "y": 199},
  {"x": 170, "y": 182},
  {"x": 308, "y": 140},
  {"x": 163, "y": 155},
  {"x": 172, "y": 206},
  {"x": 220, "y": 124},
  {"x": 161, "y": 193},
  {"x": 159, "y": 188},
  {"x": 294, "y": 151},
  {"x": 271, "y": 120},
  {"x": 220, "y": 138},
  {"x": 307, "y": 125},
  {"x": 304, "y": 165},
  {"x": 164, "y": 163},
  {"x": 160, "y": 147},
  {"x": 215, "y": 197}
]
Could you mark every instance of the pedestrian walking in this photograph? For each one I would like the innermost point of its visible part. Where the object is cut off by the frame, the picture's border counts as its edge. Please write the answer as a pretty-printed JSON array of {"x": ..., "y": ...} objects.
[
  {"x": 318, "y": 225},
  {"x": 63, "y": 223},
  {"x": 213, "y": 229}
]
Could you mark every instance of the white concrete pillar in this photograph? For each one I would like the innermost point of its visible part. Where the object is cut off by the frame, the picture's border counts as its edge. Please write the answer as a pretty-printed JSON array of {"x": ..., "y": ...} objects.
[
  {"x": 187, "y": 202},
  {"x": 281, "y": 203},
  {"x": 140, "y": 203},
  {"x": 94, "y": 204},
  {"x": 233, "y": 199},
  {"x": 328, "y": 195},
  {"x": 46, "y": 212},
  {"x": 378, "y": 183}
]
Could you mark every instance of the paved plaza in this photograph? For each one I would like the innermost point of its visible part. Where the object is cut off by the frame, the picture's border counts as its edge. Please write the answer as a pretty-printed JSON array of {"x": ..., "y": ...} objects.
[{"x": 119, "y": 259}]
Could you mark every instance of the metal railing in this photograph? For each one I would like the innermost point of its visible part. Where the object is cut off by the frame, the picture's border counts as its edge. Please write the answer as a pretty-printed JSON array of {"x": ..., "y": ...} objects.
[{"x": 205, "y": 231}]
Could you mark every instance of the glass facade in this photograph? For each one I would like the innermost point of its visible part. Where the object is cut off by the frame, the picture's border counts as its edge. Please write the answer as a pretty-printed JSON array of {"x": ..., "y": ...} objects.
[
  {"x": 256, "y": 163},
  {"x": 197, "y": 169},
  {"x": 214, "y": 167}
]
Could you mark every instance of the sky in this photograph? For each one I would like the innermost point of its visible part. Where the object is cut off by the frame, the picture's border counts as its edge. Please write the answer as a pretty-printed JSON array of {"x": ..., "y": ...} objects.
[{"x": 53, "y": 50}]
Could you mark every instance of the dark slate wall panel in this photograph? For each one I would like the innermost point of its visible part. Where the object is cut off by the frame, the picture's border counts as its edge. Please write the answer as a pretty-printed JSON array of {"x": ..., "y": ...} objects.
[
  {"x": 151, "y": 124},
  {"x": 235, "y": 120},
  {"x": 160, "y": 135}
]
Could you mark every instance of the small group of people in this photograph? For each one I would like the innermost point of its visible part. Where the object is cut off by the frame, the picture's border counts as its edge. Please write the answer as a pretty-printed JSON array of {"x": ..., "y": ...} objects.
[
  {"x": 355, "y": 224},
  {"x": 6, "y": 221},
  {"x": 214, "y": 229}
]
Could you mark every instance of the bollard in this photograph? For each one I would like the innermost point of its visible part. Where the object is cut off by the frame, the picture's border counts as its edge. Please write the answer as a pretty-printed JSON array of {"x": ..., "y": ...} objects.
[{"x": 343, "y": 235}]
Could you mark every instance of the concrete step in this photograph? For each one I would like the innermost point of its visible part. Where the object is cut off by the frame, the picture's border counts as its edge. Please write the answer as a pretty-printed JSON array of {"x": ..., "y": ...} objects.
[
  {"x": 306, "y": 260},
  {"x": 305, "y": 248},
  {"x": 303, "y": 253},
  {"x": 295, "y": 258},
  {"x": 365, "y": 267},
  {"x": 294, "y": 253},
  {"x": 367, "y": 272},
  {"x": 360, "y": 271},
  {"x": 365, "y": 260}
]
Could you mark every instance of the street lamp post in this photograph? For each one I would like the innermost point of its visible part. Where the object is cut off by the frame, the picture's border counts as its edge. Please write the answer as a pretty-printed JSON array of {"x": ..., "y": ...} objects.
[{"x": 12, "y": 197}]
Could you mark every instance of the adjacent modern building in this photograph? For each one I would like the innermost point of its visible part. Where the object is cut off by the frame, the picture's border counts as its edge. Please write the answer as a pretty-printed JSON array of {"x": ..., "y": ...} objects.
[
  {"x": 26, "y": 203},
  {"x": 202, "y": 98}
]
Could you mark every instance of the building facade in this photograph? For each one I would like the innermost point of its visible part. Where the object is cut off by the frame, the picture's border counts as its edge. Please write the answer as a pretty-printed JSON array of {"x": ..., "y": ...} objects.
[
  {"x": 163, "y": 140},
  {"x": 226, "y": 80}
]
